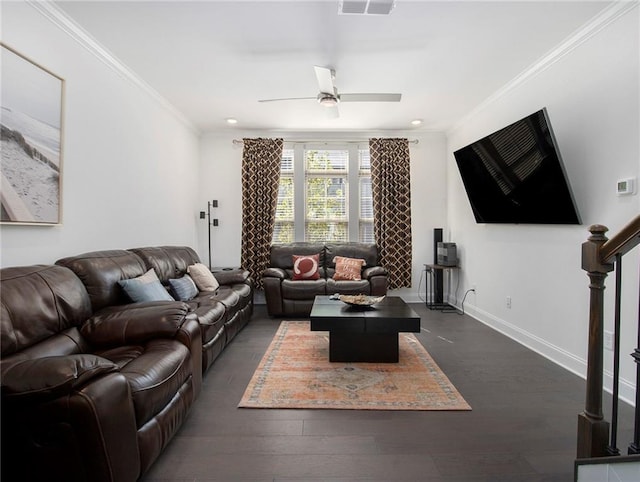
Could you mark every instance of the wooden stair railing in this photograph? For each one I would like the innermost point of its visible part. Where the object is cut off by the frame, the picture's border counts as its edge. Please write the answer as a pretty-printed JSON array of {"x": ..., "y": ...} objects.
[{"x": 599, "y": 256}]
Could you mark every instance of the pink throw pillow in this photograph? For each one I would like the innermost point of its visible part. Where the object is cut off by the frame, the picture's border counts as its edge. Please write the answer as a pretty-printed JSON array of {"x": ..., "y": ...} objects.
[{"x": 348, "y": 269}]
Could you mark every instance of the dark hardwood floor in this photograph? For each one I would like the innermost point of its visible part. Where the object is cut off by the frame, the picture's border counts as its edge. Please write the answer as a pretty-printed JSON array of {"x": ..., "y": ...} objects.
[{"x": 522, "y": 427}]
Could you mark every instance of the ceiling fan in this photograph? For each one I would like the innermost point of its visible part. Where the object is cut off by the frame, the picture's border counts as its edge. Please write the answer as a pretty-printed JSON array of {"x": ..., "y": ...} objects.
[{"x": 329, "y": 96}]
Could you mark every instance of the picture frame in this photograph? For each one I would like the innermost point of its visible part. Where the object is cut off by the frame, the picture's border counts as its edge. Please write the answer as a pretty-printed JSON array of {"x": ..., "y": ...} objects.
[{"x": 32, "y": 128}]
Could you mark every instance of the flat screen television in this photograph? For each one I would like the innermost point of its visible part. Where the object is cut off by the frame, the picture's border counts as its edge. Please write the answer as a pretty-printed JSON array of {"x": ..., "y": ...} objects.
[{"x": 516, "y": 175}]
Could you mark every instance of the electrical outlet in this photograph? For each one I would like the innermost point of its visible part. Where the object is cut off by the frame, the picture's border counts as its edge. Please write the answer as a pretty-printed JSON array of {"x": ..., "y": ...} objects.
[
  {"x": 473, "y": 288},
  {"x": 608, "y": 340},
  {"x": 509, "y": 302}
]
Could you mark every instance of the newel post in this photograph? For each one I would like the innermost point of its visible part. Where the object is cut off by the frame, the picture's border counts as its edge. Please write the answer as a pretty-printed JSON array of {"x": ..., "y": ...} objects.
[{"x": 593, "y": 430}]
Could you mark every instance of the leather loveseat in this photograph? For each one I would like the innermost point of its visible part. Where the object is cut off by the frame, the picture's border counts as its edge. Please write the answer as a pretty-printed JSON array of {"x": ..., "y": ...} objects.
[
  {"x": 90, "y": 390},
  {"x": 287, "y": 296}
]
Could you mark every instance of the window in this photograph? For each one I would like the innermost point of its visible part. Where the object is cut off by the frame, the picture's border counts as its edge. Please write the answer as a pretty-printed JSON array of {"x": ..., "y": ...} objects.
[
  {"x": 326, "y": 202},
  {"x": 324, "y": 195},
  {"x": 366, "y": 197},
  {"x": 284, "y": 227}
]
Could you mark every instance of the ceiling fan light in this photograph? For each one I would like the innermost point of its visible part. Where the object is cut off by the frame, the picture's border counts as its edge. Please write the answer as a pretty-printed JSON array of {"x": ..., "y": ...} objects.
[{"x": 327, "y": 100}]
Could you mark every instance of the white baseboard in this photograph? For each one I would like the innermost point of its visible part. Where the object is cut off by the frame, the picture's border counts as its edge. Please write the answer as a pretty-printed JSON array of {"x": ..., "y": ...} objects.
[{"x": 568, "y": 361}]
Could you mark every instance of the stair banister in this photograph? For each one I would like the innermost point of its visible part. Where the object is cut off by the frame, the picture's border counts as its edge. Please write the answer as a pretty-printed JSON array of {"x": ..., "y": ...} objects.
[
  {"x": 593, "y": 429},
  {"x": 598, "y": 256},
  {"x": 623, "y": 242}
]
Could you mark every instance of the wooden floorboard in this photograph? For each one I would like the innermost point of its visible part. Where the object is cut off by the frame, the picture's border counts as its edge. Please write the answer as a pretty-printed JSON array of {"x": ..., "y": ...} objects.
[{"x": 522, "y": 427}]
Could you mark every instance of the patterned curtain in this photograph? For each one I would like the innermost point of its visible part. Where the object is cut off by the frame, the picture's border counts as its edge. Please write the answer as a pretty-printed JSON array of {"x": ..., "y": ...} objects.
[
  {"x": 260, "y": 178},
  {"x": 390, "y": 183}
]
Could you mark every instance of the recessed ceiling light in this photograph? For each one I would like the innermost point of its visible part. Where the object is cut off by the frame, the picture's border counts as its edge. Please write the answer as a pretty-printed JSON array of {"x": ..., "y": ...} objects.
[
  {"x": 416, "y": 122},
  {"x": 231, "y": 120}
]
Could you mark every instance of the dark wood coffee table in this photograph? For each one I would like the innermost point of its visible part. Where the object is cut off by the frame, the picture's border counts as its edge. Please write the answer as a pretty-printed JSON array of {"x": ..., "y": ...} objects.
[{"x": 363, "y": 334}]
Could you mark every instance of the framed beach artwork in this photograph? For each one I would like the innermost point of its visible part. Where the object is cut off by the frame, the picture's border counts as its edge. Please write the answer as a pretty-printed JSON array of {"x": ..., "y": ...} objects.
[{"x": 31, "y": 118}]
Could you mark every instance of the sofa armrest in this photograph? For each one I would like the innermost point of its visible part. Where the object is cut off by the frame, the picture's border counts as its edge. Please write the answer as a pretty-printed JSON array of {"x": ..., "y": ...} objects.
[
  {"x": 232, "y": 276},
  {"x": 135, "y": 323},
  {"x": 190, "y": 335},
  {"x": 46, "y": 378},
  {"x": 372, "y": 271},
  {"x": 89, "y": 433},
  {"x": 272, "y": 286},
  {"x": 275, "y": 273}
]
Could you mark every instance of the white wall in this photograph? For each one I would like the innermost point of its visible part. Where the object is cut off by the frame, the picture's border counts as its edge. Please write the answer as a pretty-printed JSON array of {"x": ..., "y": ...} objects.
[
  {"x": 221, "y": 180},
  {"x": 130, "y": 163},
  {"x": 135, "y": 173},
  {"x": 592, "y": 97}
]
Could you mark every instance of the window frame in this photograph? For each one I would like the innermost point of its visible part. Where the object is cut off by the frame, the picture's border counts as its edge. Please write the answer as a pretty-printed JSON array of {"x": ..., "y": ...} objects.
[{"x": 353, "y": 185}]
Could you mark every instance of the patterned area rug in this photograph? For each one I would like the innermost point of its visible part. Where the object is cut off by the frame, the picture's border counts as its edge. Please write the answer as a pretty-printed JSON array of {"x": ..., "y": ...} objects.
[{"x": 295, "y": 372}]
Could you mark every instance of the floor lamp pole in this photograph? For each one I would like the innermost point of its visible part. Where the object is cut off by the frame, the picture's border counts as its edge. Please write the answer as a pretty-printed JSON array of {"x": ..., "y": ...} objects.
[{"x": 209, "y": 230}]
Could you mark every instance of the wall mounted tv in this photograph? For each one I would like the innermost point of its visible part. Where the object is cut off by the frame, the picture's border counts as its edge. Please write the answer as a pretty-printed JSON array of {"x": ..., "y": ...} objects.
[{"x": 516, "y": 175}]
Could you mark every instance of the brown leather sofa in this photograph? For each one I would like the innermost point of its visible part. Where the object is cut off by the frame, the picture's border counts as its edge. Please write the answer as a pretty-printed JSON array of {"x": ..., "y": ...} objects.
[
  {"x": 223, "y": 313},
  {"x": 287, "y": 297},
  {"x": 93, "y": 385},
  {"x": 91, "y": 389}
]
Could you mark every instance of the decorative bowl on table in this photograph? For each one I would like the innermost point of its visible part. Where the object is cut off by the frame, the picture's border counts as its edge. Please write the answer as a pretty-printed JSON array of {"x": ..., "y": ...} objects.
[{"x": 361, "y": 300}]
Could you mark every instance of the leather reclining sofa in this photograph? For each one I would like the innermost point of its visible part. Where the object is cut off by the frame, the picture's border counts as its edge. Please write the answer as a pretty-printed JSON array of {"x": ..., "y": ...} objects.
[
  {"x": 287, "y": 297},
  {"x": 94, "y": 386}
]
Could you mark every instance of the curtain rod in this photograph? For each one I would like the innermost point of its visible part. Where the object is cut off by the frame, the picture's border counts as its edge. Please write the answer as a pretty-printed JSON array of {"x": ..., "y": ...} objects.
[{"x": 324, "y": 141}]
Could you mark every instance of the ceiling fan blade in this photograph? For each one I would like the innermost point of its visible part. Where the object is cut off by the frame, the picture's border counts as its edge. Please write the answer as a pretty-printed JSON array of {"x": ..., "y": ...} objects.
[
  {"x": 325, "y": 80},
  {"x": 370, "y": 97},
  {"x": 287, "y": 98}
]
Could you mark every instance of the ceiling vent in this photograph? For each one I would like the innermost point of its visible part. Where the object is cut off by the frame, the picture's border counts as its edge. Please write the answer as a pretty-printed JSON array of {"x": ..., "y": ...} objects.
[{"x": 366, "y": 7}]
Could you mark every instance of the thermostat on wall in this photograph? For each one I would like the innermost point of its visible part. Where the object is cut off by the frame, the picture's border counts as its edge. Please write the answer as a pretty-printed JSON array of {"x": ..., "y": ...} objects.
[{"x": 626, "y": 186}]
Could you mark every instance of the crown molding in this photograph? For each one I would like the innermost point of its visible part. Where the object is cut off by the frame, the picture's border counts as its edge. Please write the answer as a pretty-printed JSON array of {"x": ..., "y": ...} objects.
[
  {"x": 603, "y": 19},
  {"x": 60, "y": 19}
]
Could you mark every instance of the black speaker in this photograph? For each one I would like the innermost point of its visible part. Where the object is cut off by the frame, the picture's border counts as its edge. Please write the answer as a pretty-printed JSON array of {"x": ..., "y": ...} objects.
[{"x": 437, "y": 273}]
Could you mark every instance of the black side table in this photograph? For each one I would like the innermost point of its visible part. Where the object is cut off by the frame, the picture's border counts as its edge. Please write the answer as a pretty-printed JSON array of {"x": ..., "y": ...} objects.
[{"x": 433, "y": 294}]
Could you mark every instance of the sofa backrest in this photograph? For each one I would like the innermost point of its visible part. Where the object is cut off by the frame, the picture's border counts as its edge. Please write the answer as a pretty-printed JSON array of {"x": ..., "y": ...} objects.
[
  {"x": 41, "y": 307},
  {"x": 167, "y": 261},
  {"x": 366, "y": 251},
  {"x": 282, "y": 255},
  {"x": 100, "y": 272}
]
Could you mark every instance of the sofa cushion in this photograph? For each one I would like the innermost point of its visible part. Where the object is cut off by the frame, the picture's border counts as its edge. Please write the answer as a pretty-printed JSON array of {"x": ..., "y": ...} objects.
[
  {"x": 303, "y": 290},
  {"x": 51, "y": 295},
  {"x": 282, "y": 254},
  {"x": 183, "y": 289},
  {"x": 203, "y": 277},
  {"x": 229, "y": 298},
  {"x": 155, "y": 371},
  {"x": 349, "y": 287},
  {"x": 168, "y": 261},
  {"x": 348, "y": 268},
  {"x": 145, "y": 288},
  {"x": 366, "y": 251},
  {"x": 100, "y": 272},
  {"x": 305, "y": 267},
  {"x": 135, "y": 323},
  {"x": 244, "y": 292}
]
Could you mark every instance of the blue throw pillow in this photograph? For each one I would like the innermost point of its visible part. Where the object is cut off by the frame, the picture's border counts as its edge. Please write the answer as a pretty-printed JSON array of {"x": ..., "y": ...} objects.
[
  {"x": 184, "y": 289},
  {"x": 145, "y": 288}
]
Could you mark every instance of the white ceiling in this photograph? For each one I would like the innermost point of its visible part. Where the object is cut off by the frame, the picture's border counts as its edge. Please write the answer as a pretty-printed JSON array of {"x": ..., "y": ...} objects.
[{"x": 215, "y": 59}]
